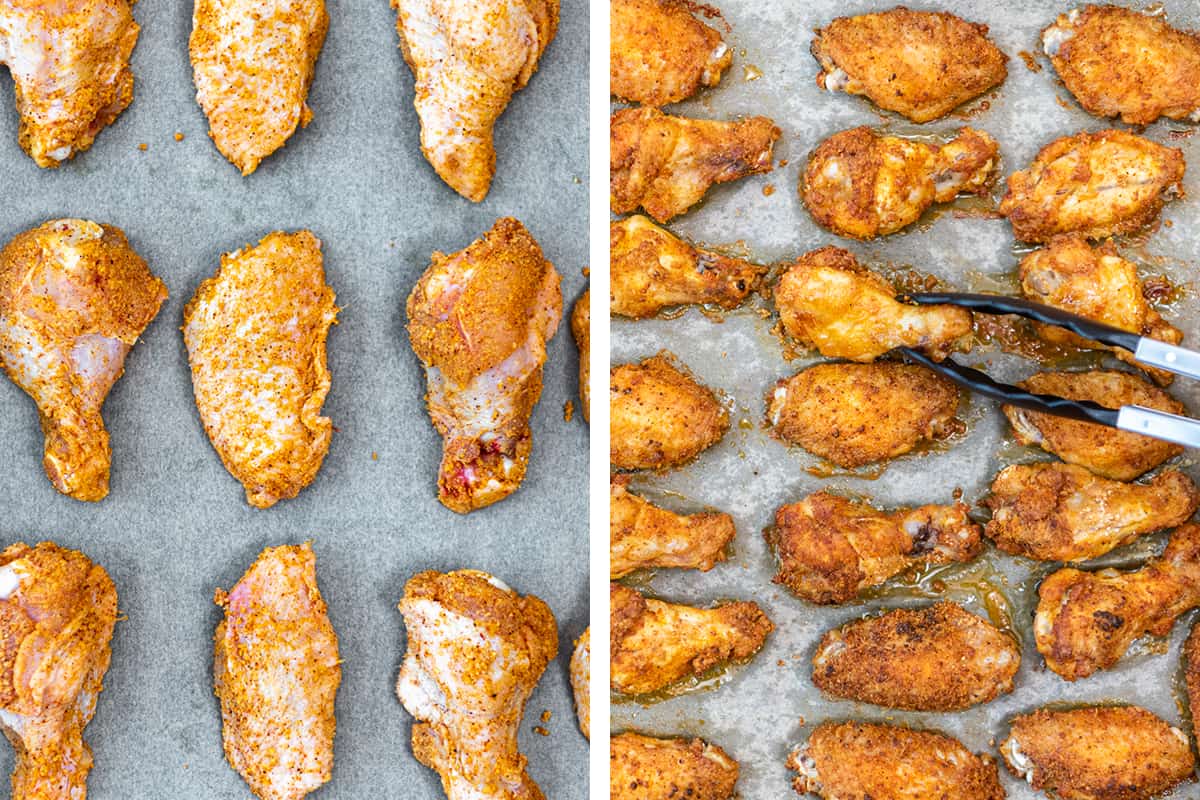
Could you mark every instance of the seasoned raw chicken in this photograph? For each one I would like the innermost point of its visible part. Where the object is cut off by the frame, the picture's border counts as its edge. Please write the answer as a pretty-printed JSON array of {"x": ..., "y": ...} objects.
[
  {"x": 1061, "y": 512},
  {"x": 858, "y": 183},
  {"x": 58, "y": 610},
  {"x": 253, "y": 63},
  {"x": 830, "y": 549},
  {"x": 479, "y": 320},
  {"x": 660, "y": 52},
  {"x": 855, "y": 414},
  {"x": 857, "y": 760},
  {"x": 276, "y": 670},
  {"x": 1094, "y": 184},
  {"x": 468, "y": 58},
  {"x": 1085, "y": 621},
  {"x": 1097, "y": 753},
  {"x": 938, "y": 658},
  {"x": 581, "y": 327},
  {"x": 828, "y": 302},
  {"x": 581, "y": 681},
  {"x": 649, "y": 768},
  {"x": 476, "y": 650},
  {"x": 922, "y": 64},
  {"x": 74, "y": 298},
  {"x": 665, "y": 164},
  {"x": 642, "y": 535},
  {"x": 1105, "y": 451},
  {"x": 1124, "y": 63},
  {"x": 660, "y": 417},
  {"x": 255, "y": 334},
  {"x": 655, "y": 644},
  {"x": 69, "y": 61}
]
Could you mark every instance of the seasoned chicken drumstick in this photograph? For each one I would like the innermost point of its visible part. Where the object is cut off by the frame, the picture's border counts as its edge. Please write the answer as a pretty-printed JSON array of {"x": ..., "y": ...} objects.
[
  {"x": 661, "y": 53},
  {"x": 74, "y": 298},
  {"x": 581, "y": 681},
  {"x": 649, "y": 768},
  {"x": 643, "y": 535},
  {"x": 581, "y": 331}
]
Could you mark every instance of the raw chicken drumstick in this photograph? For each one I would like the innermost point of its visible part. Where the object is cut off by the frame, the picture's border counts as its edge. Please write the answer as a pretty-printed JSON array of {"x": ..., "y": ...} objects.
[{"x": 581, "y": 681}]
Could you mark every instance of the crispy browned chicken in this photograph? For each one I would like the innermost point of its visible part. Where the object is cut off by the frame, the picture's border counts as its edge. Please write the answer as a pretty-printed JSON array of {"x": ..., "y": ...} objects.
[
  {"x": 665, "y": 164},
  {"x": 655, "y": 644},
  {"x": 829, "y": 302},
  {"x": 1191, "y": 675},
  {"x": 1094, "y": 184},
  {"x": 856, "y": 414},
  {"x": 581, "y": 681},
  {"x": 581, "y": 331},
  {"x": 1061, "y": 512},
  {"x": 642, "y": 535},
  {"x": 857, "y": 760},
  {"x": 650, "y": 768},
  {"x": 1119, "y": 62},
  {"x": 922, "y": 64},
  {"x": 1105, "y": 451},
  {"x": 861, "y": 184},
  {"x": 650, "y": 269},
  {"x": 938, "y": 658},
  {"x": 1097, "y": 753},
  {"x": 830, "y": 549},
  {"x": 660, "y": 417},
  {"x": 1085, "y": 621},
  {"x": 660, "y": 53}
]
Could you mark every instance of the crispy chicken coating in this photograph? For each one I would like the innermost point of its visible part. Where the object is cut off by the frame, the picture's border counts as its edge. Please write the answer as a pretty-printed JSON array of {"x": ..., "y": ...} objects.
[
  {"x": 255, "y": 335},
  {"x": 830, "y": 303},
  {"x": 921, "y": 64},
  {"x": 581, "y": 327},
  {"x": 1094, "y": 184},
  {"x": 830, "y": 549},
  {"x": 1191, "y": 674},
  {"x": 581, "y": 681},
  {"x": 860, "y": 184},
  {"x": 650, "y": 768},
  {"x": 665, "y": 164},
  {"x": 656, "y": 644},
  {"x": 660, "y": 53},
  {"x": 642, "y": 535}
]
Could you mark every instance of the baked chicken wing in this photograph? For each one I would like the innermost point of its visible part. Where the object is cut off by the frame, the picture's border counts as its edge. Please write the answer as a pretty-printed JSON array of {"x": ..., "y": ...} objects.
[
  {"x": 479, "y": 320},
  {"x": 642, "y": 535},
  {"x": 1191, "y": 674},
  {"x": 649, "y": 768},
  {"x": 660, "y": 52},
  {"x": 581, "y": 681},
  {"x": 581, "y": 330},
  {"x": 74, "y": 298}
]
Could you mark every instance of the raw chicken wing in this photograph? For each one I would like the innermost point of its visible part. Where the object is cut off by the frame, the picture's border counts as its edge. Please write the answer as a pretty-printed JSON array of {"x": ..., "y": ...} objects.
[
  {"x": 581, "y": 327},
  {"x": 581, "y": 681},
  {"x": 649, "y": 768},
  {"x": 642, "y": 535},
  {"x": 660, "y": 52}
]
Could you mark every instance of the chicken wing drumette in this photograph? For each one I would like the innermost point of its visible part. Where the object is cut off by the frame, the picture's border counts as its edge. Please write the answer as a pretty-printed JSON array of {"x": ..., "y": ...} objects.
[
  {"x": 642, "y": 535},
  {"x": 650, "y": 768},
  {"x": 661, "y": 53},
  {"x": 479, "y": 320},
  {"x": 581, "y": 331},
  {"x": 581, "y": 681},
  {"x": 74, "y": 298}
]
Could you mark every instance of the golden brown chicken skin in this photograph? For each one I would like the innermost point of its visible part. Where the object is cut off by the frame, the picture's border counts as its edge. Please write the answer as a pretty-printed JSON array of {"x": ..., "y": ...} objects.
[
  {"x": 938, "y": 658},
  {"x": 830, "y": 303},
  {"x": 1107, "y": 452},
  {"x": 660, "y": 53},
  {"x": 581, "y": 331},
  {"x": 920, "y": 64},
  {"x": 655, "y": 644},
  {"x": 1061, "y": 512},
  {"x": 659, "y": 416},
  {"x": 856, "y": 414},
  {"x": 830, "y": 549},
  {"x": 860, "y": 184},
  {"x": 665, "y": 164},
  {"x": 1094, "y": 184},
  {"x": 1191, "y": 674},
  {"x": 643, "y": 536},
  {"x": 1097, "y": 753},
  {"x": 650, "y": 768},
  {"x": 650, "y": 269}
]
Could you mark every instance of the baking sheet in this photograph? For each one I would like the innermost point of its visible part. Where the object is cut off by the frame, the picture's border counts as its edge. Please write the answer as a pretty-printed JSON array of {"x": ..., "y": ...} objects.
[
  {"x": 760, "y": 711},
  {"x": 176, "y": 525}
]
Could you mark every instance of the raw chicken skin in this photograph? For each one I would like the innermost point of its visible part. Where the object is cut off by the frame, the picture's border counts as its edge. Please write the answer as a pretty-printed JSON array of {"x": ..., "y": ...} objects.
[{"x": 581, "y": 681}]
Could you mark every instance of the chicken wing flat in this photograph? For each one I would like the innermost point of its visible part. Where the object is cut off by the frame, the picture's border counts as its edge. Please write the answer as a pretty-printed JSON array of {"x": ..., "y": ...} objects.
[
  {"x": 857, "y": 760},
  {"x": 665, "y": 164},
  {"x": 860, "y": 184},
  {"x": 581, "y": 681},
  {"x": 1061, "y": 512},
  {"x": 920, "y": 64},
  {"x": 255, "y": 335},
  {"x": 650, "y": 269},
  {"x": 1085, "y": 621},
  {"x": 479, "y": 320},
  {"x": 581, "y": 327},
  {"x": 856, "y": 414},
  {"x": 660, "y": 52},
  {"x": 1093, "y": 184},
  {"x": 938, "y": 658},
  {"x": 830, "y": 549},
  {"x": 649, "y": 768},
  {"x": 1097, "y": 753},
  {"x": 1107, "y": 452},
  {"x": 656, "y": 644},
  {"x": 1124, "y": 63},
  {"x": 830, "y": 303},
  {"x": 660, "y": 417},
  {"x": 642, "y": 535}
]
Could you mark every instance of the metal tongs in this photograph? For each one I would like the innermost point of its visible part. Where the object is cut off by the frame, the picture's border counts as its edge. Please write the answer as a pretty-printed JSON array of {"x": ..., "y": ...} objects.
[{"x": 1137, "y": 419}]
